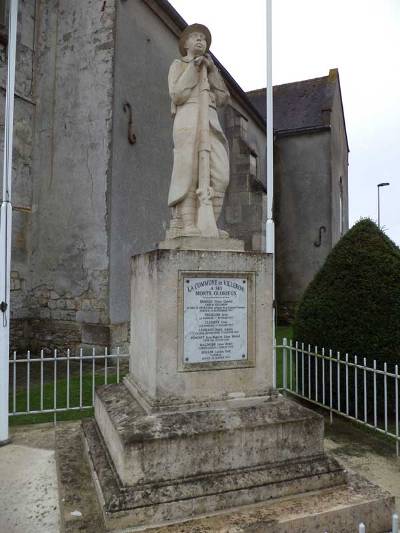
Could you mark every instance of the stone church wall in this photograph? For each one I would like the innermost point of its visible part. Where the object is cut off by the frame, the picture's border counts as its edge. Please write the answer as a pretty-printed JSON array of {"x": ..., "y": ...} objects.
[
  {"x": 24, "y": 110},
  {"x": 66, "y": 283},
  {"x": 86, "y": 198}
]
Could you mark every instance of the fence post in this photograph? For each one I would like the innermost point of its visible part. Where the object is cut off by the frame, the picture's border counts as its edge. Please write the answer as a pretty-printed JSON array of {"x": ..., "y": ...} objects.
[
  {"x": 284, "y": 364},
  {"x": 385, "y": 396},
  {"x": 375, "y": 407},
  {"x": 355, "y": 387},
  {"x": 323, "y": 375},
  {"x": 396, "y": 386},
  {"x": 28, "y": 381},
  {"x": 302, "y": 368},
  {"x": 365, "y": 392},
  {"x": 309, "y": 371},
  {"x": 274, "y": 365},
  {"x": 347, "y": 383},
  {"x": 55, "y": 388},
  {"x": 395, "y": 523},
  {"x": 338, "y": 382},
  {"x": 316, "y": 372},
  {"x": 330, "y": 388}
]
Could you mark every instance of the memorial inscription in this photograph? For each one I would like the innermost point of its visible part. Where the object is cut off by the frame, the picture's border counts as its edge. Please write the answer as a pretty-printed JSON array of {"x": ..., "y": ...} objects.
[{"x": 214, "y": 319}]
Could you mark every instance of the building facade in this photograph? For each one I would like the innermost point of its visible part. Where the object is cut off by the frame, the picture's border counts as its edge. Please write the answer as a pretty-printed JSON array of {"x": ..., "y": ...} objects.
[
  {"x": 310, "y": 181},
  {"x": 93, "y": 159}
]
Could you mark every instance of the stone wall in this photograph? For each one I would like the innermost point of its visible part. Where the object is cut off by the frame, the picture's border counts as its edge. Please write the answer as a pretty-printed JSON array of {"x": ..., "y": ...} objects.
[
  {"x": 86, "y": 198},
  {"x": 311, "y": 175},
  {"x": 302, "y": 205},
  {"x": 245, "y": 205},
  {"x": 65, "y": 284},
  {"x": 24, "y": 110}
]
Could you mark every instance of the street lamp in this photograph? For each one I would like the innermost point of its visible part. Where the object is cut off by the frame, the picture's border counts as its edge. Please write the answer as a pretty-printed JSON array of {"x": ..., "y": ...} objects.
[
  {"x": 5, "y": 224},
  {"x": 379, "y": 203}
]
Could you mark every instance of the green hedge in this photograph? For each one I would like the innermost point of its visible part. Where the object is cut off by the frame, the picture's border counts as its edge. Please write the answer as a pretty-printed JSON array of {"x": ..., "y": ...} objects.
[{"x": 353, "y": 303}]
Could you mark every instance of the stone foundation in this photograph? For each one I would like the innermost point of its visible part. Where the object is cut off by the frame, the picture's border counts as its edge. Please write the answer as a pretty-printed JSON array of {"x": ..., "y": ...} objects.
[
  {"x": 196, "y": 428},
  {"x": 35, "y": 334},
  {"x": 172, "y": 466}
]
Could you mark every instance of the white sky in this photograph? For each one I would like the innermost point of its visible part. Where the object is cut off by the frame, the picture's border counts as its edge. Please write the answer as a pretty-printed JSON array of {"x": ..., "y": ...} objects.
[{"x": 362, "y": 39}]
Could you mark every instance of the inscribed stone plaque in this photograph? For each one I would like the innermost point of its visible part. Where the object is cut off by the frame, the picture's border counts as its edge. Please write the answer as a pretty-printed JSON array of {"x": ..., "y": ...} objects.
[{"x": 214, "y": 319}]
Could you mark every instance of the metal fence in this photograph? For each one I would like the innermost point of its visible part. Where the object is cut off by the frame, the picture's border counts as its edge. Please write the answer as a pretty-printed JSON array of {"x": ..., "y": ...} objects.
[
  {"x": 395, "y": 525},
  {"x": 348, "y": 386},
  {"x": 55, "y": 382}
]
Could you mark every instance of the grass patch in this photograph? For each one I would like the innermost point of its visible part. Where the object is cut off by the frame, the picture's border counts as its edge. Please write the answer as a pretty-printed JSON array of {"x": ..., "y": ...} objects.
[{"x": 57, "y": 397}]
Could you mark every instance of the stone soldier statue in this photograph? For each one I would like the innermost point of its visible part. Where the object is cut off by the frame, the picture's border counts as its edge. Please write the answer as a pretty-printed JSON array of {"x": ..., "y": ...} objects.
[{"x": 200, "y": 173}]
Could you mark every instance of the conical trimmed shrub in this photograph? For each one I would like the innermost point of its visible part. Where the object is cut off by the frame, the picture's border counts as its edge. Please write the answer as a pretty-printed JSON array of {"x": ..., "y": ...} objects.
[{"x": 353, "y": 303}]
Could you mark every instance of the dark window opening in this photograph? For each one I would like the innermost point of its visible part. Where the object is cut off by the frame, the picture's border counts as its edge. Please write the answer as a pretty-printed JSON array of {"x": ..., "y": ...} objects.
[
  {"x": 341, "y": 206},
  {"x": 253, "y": 164},
  {"x": 3, "y": 22}
]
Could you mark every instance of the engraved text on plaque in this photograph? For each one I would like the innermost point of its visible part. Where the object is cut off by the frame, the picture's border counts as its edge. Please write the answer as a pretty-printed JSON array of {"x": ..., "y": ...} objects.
[{"x": 215, "y": 319}]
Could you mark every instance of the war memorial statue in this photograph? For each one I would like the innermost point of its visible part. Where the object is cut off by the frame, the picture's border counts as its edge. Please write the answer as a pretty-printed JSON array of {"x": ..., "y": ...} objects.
[
  {"x": 200, "y": 173},
  {"x": 197, "y": 430}
]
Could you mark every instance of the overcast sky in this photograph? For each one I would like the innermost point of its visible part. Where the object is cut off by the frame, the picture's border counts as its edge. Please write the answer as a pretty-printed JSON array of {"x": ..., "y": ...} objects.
[{"x": 362, "y": 39}]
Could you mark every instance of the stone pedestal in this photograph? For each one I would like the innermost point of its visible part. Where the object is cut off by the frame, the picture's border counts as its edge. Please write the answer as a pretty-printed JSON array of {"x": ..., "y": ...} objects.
[
  {"x": 160, "y": 376},
  {"x": 174, "y": 465},
  {"x": 196, "y": 429}
]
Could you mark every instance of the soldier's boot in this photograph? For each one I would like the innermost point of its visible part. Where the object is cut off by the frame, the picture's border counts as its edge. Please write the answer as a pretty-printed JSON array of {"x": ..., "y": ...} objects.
[
  {"x": 217, "y": 201},
  {"x": 188, "y": 212}
]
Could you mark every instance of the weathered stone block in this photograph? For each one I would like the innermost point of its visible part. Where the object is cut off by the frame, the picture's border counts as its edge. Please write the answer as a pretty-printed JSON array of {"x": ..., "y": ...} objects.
[
  {"x": 172, "y": 445},
  {"x": 157, "y": 374},
  {"x": 95, "y": 334},
  {"x": 88, "y": 316},
  {"x": 174, "y": 465}
]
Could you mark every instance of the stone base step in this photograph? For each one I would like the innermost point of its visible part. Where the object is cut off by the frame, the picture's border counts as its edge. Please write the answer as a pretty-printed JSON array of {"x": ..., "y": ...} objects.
[{"x": 337, "y": 510}]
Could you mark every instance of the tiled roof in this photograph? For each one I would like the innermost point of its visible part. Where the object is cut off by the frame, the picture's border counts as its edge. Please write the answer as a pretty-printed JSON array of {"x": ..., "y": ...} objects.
[{"x": 300, "y": 105}]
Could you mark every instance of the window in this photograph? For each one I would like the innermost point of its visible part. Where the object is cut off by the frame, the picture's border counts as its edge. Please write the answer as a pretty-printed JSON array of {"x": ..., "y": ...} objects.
[
  {"x": 340, "y": 206},
  {"x": 253, "y": 164},
  {"x": 3, "y": 22}
]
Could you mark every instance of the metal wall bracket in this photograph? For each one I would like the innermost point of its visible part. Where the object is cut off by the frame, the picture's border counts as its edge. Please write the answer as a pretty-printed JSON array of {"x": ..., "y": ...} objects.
[
  {"x": 318, "y": 243},
  {"x": 131, "y": 135}
]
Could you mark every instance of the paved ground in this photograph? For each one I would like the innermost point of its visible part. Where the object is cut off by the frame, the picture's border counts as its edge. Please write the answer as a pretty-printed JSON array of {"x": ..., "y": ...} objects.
[
  {"x": 368, "y": 454},
  {"x": 28, "y": 483},
  {"x": 28, "y": 478}
]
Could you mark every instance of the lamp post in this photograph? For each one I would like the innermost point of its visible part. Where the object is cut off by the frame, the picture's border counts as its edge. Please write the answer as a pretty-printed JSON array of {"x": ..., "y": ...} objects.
[
  {"x": 5, "y": 224},
  {"x": 385, "y": 184},
  {"x": 270, "y": 226}
]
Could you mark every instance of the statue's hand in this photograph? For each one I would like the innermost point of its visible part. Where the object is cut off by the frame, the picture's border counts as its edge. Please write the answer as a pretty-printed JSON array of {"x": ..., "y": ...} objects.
[
  {"x": 206, "y": 60},
  {"x": 205, "y": 195},
  {"x": 199, "y": 61},
  {"x": 210, "y": 63}
]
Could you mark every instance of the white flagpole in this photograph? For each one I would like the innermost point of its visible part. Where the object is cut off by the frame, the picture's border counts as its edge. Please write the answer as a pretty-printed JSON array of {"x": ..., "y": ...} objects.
[
  {"x": 5, "y": 224},
  {"x": 270, "y": 227}
]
